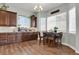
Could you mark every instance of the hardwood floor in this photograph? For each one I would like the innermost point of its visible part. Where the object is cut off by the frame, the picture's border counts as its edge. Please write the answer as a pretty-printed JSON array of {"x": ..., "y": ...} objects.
[{"x": 33, "y": 48}]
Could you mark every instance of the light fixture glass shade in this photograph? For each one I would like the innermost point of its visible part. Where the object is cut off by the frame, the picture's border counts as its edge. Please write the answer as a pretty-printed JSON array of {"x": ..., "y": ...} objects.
[
  {"x": 38, "y": 8},
  {"x": 4, "y": 6}
]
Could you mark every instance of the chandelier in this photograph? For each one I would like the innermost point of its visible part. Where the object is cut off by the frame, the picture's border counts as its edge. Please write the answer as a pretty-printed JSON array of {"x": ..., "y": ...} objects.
[
  {"x": 38, "y": 8},
  {"x": 4, "y": 6}
]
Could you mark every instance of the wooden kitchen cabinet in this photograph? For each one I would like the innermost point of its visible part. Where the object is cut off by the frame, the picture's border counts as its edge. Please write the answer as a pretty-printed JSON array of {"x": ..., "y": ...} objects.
[
  {"x": 27, "y": 36},
  {"x": 7, "y": 38},
  {"x": 33, "y": 21},
  {"x": 7, "y": 18},
  {"x": 3, "y": 38},
  {"x": 16, "y": 37},
  {"x": 4, "y": 18},
  {"x": 11, "y": 37},
  {"x": 12, "y": 17}
]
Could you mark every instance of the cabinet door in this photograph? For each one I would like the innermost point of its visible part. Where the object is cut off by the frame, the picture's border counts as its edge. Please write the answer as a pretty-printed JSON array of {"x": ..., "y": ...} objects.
[
  {"x": 12, "y": 21},
  {"x": 33, "y": 21},
  {"x": 18, "y": 37},
  {"x": 26, "y": 36},
  {"x": 4, "y": 18},
  {"x": 11, "y": 38},
  {"x": 3, "y": 38}
]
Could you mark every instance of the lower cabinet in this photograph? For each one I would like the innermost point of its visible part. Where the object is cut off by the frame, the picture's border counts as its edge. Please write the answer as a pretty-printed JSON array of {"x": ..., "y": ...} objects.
[
  {"x": 11, "y": 38},
  {"x": 3, "y": 38},
  {"x": 27, "y": 36},
  {"x": 8, "y": 38},
  {"x": 18, "y": 37}
]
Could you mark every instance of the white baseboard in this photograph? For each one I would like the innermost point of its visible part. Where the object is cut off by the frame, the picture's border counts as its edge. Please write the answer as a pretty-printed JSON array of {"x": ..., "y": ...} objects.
[
  {"x": 77, "y": 51},
  {"x": 71, "y": 47}
]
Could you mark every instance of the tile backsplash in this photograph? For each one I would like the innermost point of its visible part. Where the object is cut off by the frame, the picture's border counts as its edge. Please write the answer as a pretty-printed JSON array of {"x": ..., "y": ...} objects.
[{"x": 8, "y": 29}]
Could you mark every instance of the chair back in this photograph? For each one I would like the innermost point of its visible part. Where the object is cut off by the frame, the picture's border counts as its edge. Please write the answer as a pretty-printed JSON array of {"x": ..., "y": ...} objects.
[
  {"x": 40, "y": 34},
  {"x": 60, "y": 34}
]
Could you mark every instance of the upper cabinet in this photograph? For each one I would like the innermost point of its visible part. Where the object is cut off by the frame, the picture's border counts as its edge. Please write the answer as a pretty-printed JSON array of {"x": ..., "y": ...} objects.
[
  {"x": 12, "y": 21},
  {"x": 7, "y": 18},
  {"x": 33, "y": 21},
  {"x": 4, "y": 18}
]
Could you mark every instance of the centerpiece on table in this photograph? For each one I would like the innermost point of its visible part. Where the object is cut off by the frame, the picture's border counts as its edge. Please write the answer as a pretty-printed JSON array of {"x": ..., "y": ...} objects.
[{"x": 55, "y": 29}]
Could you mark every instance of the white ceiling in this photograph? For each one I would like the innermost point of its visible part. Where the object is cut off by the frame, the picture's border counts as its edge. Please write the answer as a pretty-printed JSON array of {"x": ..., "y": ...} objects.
[{"x": 30, "y": 6}]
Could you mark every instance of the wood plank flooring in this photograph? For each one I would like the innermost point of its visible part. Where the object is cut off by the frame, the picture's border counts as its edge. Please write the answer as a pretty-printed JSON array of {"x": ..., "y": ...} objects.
[{"x": 33, "y": 48}]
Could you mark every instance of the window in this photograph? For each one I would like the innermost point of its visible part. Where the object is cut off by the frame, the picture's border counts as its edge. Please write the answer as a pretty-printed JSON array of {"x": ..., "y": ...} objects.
[
  {"x": 61, "y": 22},
  {"x": 51, "y": 23},
  {"x": 23, "y": 21},
  {"x": 72, "y": 20},
  {"x": 57, "y": 21}
]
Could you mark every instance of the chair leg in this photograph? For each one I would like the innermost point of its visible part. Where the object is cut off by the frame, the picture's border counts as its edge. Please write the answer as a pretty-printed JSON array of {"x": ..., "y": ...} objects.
[
  {"x": 43, "y": 41},
  {"x": 48, "y": 42},
  {"x": 40, "y": 41},
  {"x": 54, "y": 42},
  {"x": 60, "y": 42}
]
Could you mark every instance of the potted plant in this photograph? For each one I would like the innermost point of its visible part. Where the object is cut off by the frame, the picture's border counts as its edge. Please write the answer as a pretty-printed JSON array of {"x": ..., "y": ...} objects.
[
  {"x": 19, "y": 27},
  {"x": 55, "y": 29}
]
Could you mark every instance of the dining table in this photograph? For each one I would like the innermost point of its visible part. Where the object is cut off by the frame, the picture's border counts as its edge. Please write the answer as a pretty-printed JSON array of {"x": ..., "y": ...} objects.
[{"x": 50, "y": 36}]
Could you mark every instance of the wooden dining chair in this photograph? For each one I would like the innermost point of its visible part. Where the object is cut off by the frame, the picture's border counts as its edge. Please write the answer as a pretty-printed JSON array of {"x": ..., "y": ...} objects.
[
  {"x": 45, "y": 38},
  {"x": 51, "y": 40},
  {"x": 42, "y": 38},
  {"x": 58, "y": 38}
]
